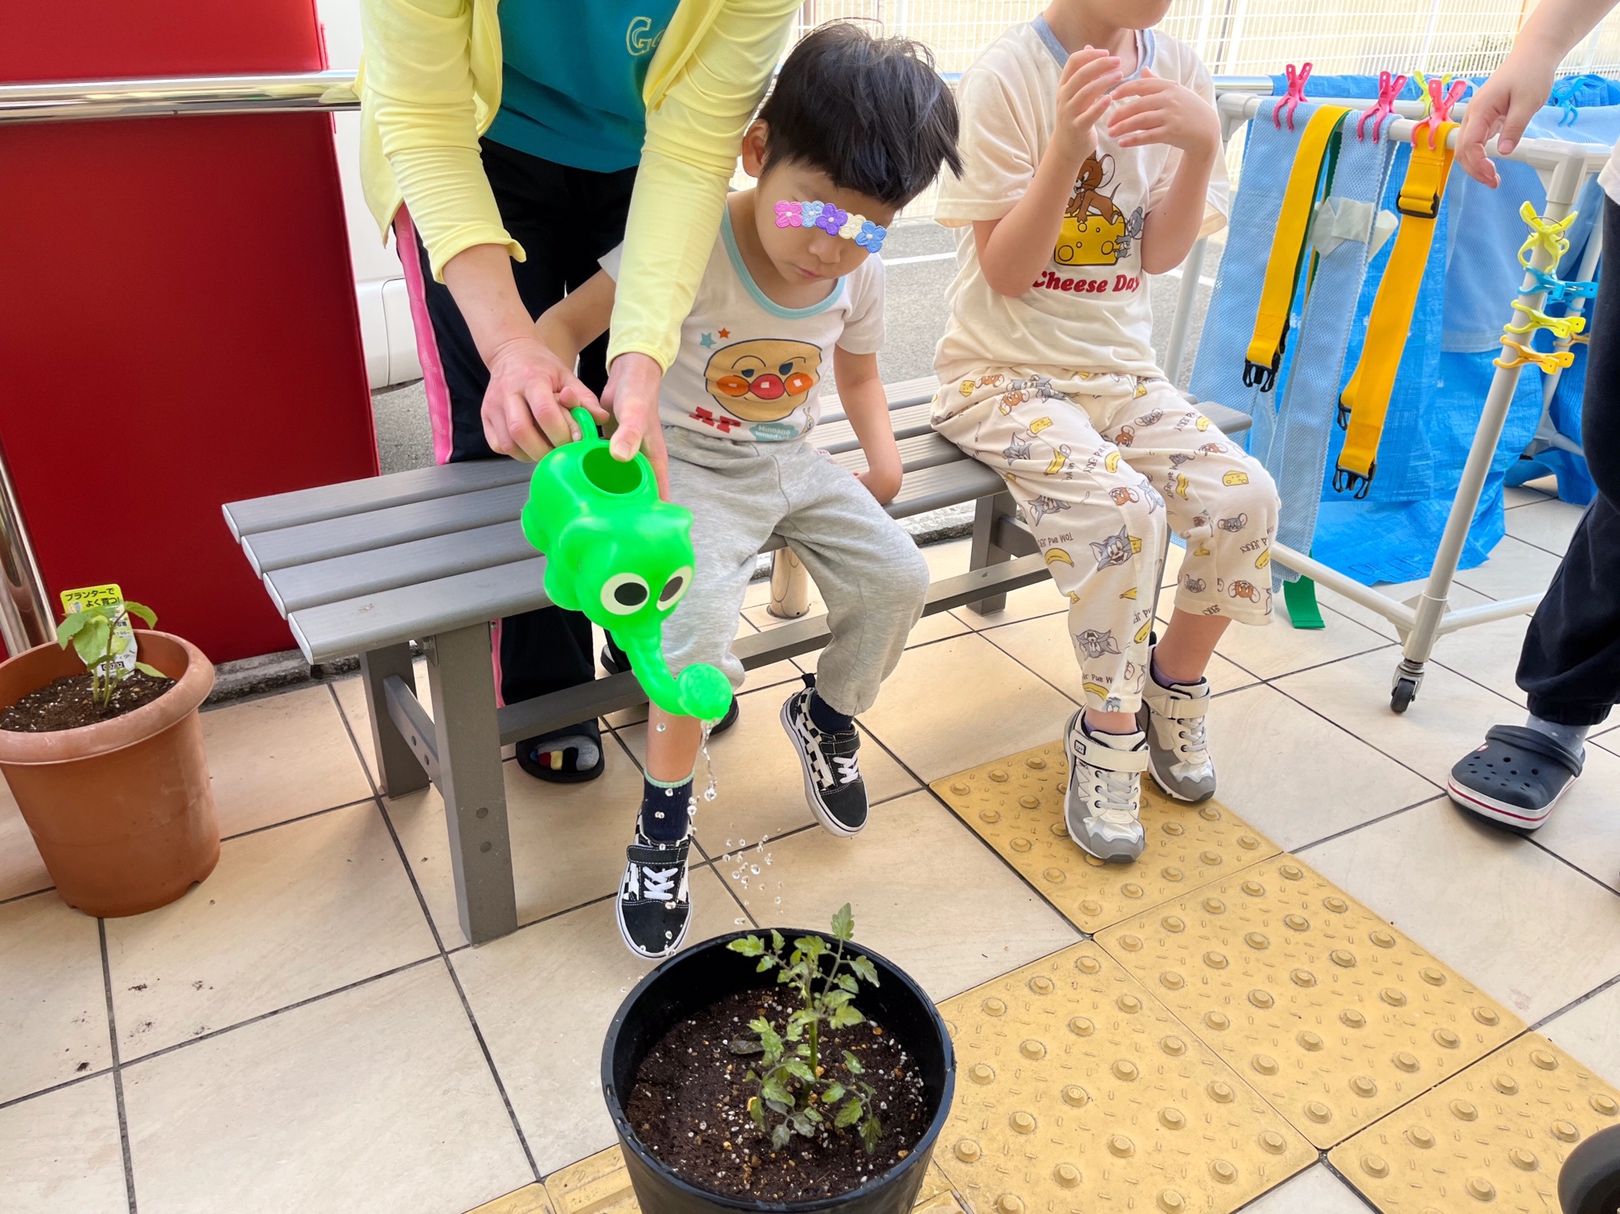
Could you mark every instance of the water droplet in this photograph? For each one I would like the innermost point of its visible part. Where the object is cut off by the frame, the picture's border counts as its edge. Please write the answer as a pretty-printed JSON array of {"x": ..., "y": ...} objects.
[
  {"x": 754, "y": 868},
  {"x": 662, "y": 727},
  {"x": 740, "y": 922}
]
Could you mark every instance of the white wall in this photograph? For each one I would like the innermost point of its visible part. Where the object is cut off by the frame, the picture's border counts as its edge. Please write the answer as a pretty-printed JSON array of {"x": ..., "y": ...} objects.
[{"x": 385, "y": 319}]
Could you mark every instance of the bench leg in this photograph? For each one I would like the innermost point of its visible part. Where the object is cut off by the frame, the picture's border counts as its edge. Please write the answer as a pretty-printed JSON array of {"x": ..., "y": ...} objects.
[
  {"x": 462, "y": 679},
  {"x": 397, "y": 768},
  {"x": 985, "y": 551},
  {"x": 790, "y": 586}
]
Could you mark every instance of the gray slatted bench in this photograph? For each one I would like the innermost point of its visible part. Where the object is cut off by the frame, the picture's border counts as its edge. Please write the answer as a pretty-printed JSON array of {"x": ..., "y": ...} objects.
[{"x": 433, "y": 555}]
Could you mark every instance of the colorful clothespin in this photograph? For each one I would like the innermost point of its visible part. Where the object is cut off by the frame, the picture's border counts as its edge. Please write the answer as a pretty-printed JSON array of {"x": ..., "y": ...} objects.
[
  {"x": 1558, "y": 291},
  {"x": 1558, "y": 326},
  {"x": 1544, "y": 234},
  {"x": 1441, "y": 101},
  {"x": 1389, "y": 88},
  {"x": 1563, "y": 96},
  {"x": 1295, "y": 94},
  {"x": 1548, "y": 360}
]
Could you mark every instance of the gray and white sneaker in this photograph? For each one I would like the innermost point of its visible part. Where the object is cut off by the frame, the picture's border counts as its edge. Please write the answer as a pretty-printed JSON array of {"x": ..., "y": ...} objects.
[
  {"x": 655, "y": 908},
  {"x": 1178, "y": 751},
  {"x": 1104, "y": 802}
]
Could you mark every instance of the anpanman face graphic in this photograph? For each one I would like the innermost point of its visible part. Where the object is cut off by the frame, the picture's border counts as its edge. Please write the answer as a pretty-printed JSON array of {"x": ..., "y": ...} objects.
[{"x": 763, "y": 380}]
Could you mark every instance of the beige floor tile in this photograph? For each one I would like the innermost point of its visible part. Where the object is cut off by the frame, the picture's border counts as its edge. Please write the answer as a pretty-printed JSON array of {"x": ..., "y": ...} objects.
[
  {"x": 377, "y": 1098},
  {"x": 1487, "y": 653},
  {"x": 1314, "y": 1191},
  {"x": 290, "y": 913},
  {"x": 568, "y": 840},
  {"x": 1588, "y": 1031},
  {"x": 963, "y": 702},
  {"x": 1509, "y": 917},
  {"x": 759, "y": 783},
  {"x": 1043, "y": 645},
  {"x": 926, "y": 631},
  {"x": 1514, "y": 568},
  {"x": 280, "y": 757},
  {"x": 1026, "y": 603},
  {"x": 1279, "y": 648},
  {"x": 1582, "y": 827},
  {"x": 1547, "y": 524},
  {"x": 351, "y": 697},
  {"x": 61, "y": 1152},
  {"x": 926, "y": 893},
  {"x": 21, "y": 869},
  {"x": 1528, "y": 495},
  {"x": 1334, "y": 602},
  {"x": 1297, "y": 777},
  {"x": 53, "y": 1002},
  {"x": 544, "y": 997}
]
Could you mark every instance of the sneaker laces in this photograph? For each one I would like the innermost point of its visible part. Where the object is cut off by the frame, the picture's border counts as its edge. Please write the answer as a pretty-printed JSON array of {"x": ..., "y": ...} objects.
[
  {"x": 1193, "y": 738},
  {"x": 1115, "y": 797},
  {"x": 658, "y": 884},
  {"x": 849, "y": 769}
]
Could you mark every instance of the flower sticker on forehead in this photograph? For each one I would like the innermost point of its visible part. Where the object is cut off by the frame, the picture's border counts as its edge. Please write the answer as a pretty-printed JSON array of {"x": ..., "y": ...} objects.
[{"x": 831, "y": 220}]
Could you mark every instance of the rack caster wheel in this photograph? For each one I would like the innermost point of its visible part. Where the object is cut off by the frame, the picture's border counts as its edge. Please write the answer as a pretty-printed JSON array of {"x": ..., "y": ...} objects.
[{"x": 1402, "y": 695}]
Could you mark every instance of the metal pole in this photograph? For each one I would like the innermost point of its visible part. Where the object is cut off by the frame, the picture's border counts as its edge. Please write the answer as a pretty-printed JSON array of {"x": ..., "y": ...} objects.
[
  {"x": 25, "y": 612},
  {"x": 1192, "y": 269},
  {"x": 284, "y": 92}
]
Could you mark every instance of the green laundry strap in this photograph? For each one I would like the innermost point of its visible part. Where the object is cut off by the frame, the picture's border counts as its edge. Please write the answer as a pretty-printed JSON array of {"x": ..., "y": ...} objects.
[{"x": 1300, "y": 596}]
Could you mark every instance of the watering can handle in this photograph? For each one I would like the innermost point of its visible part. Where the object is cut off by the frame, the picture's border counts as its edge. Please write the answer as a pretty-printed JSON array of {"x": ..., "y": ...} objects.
[{"x": 585, "y": 422}]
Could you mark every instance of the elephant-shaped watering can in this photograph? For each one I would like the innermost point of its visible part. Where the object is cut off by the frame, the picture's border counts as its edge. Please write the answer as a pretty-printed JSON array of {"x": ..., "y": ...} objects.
[{"x": 623, "y": 556}]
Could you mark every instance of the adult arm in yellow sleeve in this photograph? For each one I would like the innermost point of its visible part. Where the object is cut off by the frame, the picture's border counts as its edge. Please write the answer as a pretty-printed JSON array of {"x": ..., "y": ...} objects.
[{"x": 699, "y": 104}]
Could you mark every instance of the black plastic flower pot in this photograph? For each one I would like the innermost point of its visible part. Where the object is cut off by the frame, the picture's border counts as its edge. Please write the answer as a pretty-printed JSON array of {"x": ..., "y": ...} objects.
[{"x": 702, "y": 975}]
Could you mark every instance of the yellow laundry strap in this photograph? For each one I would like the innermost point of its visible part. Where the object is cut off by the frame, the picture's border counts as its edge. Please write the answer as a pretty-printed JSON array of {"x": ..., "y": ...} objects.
[
  {"x": 1365, "y": 400},
  {"x": 1548, "y": 360},
  {"x": 1282, "y": 269}
]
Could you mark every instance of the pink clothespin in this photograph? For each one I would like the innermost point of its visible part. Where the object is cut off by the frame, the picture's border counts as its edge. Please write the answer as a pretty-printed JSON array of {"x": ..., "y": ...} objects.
[
  {"x": 1296, "y": 94},
  {"x": 1440, "y": 105},
  {"x": 1389, "y": 88}
]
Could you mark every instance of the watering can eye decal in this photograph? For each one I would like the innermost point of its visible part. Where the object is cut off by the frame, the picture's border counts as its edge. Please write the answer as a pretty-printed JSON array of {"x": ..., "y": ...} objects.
[
  {"x": 675, "y": 587},
  {"x": 624, "y": 593}
]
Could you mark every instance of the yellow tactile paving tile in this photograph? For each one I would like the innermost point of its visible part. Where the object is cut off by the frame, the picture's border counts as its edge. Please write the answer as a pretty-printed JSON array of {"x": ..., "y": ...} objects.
[
  {"x": 1333, "y": 1015},
  {"x": 1016, "y": 806},
  {"x": 530, "y": 1199},
  {"x": 599, "y": 1184},
  {"x": 1076, "y": 1090},
  {"x": 1492, "y": 1137}
]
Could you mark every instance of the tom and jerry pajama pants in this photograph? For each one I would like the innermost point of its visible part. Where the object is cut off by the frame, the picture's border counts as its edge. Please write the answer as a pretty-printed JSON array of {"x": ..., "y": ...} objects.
[{"x": 1100, "y": 464}]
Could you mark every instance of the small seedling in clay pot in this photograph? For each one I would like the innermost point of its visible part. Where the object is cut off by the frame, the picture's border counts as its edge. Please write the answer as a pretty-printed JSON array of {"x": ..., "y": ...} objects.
[{"x": 113, "y": 683}]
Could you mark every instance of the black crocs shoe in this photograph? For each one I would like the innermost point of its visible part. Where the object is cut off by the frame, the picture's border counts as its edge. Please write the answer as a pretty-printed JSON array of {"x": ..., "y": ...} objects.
[
  {"x": 612, "y": 665},
  {"x": 1516, "y": 778},
  {"x": 832, "y": 773},
  {"x": 655, "y": 907}
]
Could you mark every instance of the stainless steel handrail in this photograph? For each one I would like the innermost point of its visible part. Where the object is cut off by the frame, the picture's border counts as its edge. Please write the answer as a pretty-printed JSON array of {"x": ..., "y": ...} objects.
[{"x": 282, "y": 92}]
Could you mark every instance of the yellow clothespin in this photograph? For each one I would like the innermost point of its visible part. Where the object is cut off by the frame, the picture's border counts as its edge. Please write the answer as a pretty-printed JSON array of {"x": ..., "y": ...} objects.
[
  {"x": 1545, "y": 234},
  {"x": 1548, "y": 362},
  {"x": 1558, "y": 326}
]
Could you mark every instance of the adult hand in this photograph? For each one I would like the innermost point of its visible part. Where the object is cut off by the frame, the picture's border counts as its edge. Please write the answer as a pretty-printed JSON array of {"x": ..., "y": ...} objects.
[
  {"x": 1082, "y": 99},
  {"x": 1505, "y": 103},
  {"x": 631, "y": 396},
  {"x": 1151, "y": 109},
  {"x": 526, "y": 405}
]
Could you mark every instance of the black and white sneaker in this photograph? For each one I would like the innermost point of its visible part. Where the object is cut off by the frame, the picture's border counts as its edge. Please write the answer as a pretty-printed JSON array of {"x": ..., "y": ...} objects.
[
  {"x": 831, "y": 762},
  {"x": 655, "y": 907}
]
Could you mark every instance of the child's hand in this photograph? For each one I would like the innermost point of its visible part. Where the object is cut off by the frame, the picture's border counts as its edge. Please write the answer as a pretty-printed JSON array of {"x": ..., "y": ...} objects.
[
  {"x": 882, "y": 482},
  {"x": 1151, "y": 109},
  {"x": 1081, "y": 101},
  {"x": 1506, "y": 103}
]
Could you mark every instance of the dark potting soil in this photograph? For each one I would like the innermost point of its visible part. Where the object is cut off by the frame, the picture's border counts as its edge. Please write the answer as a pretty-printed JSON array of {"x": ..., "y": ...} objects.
[
  {"x": 67, "y": 703},
  {"x": 689, "y": 1106}
]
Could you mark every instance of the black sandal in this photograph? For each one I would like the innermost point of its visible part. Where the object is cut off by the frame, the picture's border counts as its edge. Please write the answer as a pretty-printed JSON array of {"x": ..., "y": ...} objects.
[
  {"x": 530, "y": 749},
  {"x": 1515, "y": 778}
]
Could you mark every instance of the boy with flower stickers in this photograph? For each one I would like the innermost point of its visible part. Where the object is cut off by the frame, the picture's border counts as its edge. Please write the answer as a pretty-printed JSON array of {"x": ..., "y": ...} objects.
[{"x": 855, "y": 128}]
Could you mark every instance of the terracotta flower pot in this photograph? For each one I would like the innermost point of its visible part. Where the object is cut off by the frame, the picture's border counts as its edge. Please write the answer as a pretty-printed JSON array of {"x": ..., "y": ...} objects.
[{"x": 122, "y": 810}]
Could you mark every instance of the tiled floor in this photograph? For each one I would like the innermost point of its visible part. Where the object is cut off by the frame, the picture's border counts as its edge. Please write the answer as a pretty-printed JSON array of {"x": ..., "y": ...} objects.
[{"x": 307, "y": 1030}]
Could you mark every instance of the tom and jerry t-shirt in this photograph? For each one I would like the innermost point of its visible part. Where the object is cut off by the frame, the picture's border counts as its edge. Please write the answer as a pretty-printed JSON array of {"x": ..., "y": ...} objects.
[
  {"x": 751, "y": 370},
  {"x": 1089, "y": 308}
]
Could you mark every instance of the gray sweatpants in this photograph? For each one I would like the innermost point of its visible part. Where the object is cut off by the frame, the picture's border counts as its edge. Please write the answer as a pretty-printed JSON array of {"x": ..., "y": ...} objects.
[{"x": 867, "y": 568}]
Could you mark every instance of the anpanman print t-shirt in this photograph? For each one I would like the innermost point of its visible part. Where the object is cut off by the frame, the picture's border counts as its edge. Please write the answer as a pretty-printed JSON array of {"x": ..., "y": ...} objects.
[
  {"x": 751, "y": 370},
  {"x": 1089, "y": 309}
]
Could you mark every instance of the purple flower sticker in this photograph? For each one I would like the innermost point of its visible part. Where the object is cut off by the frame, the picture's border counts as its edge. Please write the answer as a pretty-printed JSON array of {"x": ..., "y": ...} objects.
[{"x": 832, "y": 219}]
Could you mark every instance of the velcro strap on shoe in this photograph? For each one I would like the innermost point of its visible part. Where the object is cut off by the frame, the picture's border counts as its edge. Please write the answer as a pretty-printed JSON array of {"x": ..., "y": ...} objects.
[
  {"x": 1537, "y": 743},
  {"x": 1109, "y": 759},
  {"x": 1180, "y": 708},
  {"x": 652, "y": 856}
]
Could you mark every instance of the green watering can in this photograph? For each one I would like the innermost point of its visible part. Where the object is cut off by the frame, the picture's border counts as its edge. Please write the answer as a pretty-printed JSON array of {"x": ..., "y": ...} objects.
[{"x": 623, "y": 556}]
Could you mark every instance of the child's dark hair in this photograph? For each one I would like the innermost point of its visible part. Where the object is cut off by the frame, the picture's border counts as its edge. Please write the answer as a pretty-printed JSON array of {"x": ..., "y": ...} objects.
[{"x": 871, "y": 113}]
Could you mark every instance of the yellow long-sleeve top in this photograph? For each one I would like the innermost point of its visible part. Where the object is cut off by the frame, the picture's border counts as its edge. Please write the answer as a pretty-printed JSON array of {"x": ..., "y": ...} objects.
[{"x": 430, "y": 85}]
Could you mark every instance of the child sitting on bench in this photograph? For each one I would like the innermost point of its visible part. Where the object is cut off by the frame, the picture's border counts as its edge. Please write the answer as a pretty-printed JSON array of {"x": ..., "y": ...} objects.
[
  {"x": 855, "y": 128},
  {"x": 1092, "y": 156}
]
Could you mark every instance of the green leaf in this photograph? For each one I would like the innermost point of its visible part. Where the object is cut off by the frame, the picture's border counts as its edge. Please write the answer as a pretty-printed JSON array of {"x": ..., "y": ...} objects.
[
  {"x": 118, "y": 644},
  {"x": 847, "y": 1016},
  {"x": 748, "y": 946},
  {"x": 835, "y": 999},
  {"x": 834, "y": 1093},
  {"x": 871, "y": 1131},
  {"x": 780, "y": 1135},
  {"x": 848, "y": 982},
  {"x": 147, "y": 668},
  {"x": 67, "y": 628},
  {"x": 773, "y": 1091},
  {"x": 776, "y": 1106},
  {"x": 799, "y": 1069},
  {"x": 756, "y": 1110},
  {"x": 146, "y": 614},
  {"x": 810, "y": 947},
  {"x": 868, "y": 972},
  {"x": 91, "y": 642},
  {"x": 777, "y": 943},
  {"x": 765, "y": 963},
  {"x": 803, "y": 1125},
  {"x": 843, "y": 923},
  {"x": 849, "y": 1114},
  {"x": 852, "y": 1064}
]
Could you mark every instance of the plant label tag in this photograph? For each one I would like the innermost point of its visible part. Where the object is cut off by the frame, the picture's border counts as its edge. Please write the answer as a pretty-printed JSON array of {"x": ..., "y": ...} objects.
[{"x": 112, "y": 598}]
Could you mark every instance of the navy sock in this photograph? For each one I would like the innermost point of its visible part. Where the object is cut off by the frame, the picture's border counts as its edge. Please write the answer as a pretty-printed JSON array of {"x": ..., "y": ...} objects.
[
  {"x": 665, "y": 810},
  {"x": 827, "y": 718}
]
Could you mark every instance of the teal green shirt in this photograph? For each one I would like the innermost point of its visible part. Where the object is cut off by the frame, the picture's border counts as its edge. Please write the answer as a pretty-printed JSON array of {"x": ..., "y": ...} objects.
[{"x": 572, "y": 78}]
